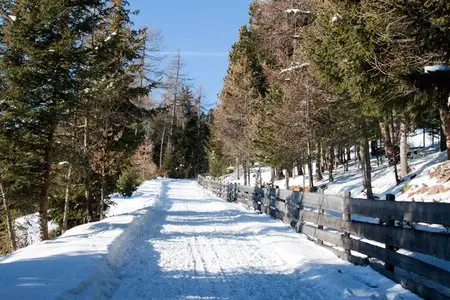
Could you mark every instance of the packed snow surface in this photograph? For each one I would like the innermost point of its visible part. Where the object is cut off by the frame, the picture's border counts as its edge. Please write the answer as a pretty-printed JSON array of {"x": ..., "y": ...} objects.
[{"x": 174, "y": 240}]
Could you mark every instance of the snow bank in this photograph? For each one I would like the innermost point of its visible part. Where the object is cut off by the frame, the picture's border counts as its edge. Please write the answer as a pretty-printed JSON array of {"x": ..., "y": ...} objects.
[{"x": 81, "y": 263}]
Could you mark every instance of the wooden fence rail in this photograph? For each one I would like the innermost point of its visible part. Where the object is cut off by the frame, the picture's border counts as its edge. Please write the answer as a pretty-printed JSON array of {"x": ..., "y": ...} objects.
[{"x": 365, "y": 232}]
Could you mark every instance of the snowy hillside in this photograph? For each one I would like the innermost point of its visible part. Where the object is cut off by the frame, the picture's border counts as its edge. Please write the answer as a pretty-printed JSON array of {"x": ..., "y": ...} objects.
[
  {"x": 79, "y": 263},
  {"x": 383, "y": 180},
  {"x": 173, "y": 240},
  {"x": 27, "y": 229}
]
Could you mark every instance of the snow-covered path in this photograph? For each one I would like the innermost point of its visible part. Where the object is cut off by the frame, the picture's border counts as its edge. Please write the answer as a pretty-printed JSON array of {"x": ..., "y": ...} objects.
[{"x": 196, "y": 246}]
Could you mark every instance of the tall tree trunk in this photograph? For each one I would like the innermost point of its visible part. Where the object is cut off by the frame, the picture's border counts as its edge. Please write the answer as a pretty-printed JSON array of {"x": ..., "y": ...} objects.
[
  {"x": 331, "y": 164},
  {"x": 258, "y": 180},
  {"x": 249, "y": 174},
  {"x": 357, "y": 157},
  {"x": 102, "y": 190},
  {"x": 9, "y": 221},
  {"x": 424, "y": 135},
  {"x": 442, "y": 140},
  {"x": 237, "y": 168},
  {"x": 365, "y": 162},
  {"x": 380, "y": 146},
  {"x": 162, "y": 143},
  {"x": 404, "y": 148},
  {"x": 174, "y": 107},
  {"x": 278, "y": 174},
  {"x": 89, "y": 212},
  {"x": 272, "y": 177},
  {"x": 198, "y": 153},
  {"x": 310, "y": 175},
  {"x": 287, "y": 178},
  {"x": 300, "y": 168},
  {"x": 391, "y": 139},
  {"x": 444, "y": 113},
  {"x": 245, "y": 173},
  {"x": 324, "y": 160},
  {"x": 43, "y": 197},
  {"x": 318, "y": 163},
  {"x": 346, "y": 160},
  {"x": 66, "y": 200}
]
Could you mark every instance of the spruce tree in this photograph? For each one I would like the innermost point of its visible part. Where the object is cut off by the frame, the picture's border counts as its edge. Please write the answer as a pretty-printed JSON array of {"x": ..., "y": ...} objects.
[
  {"x": 115, "y": 120},
  {"x": 412, "y": 35},
  {"x": 43, "y": 49}
]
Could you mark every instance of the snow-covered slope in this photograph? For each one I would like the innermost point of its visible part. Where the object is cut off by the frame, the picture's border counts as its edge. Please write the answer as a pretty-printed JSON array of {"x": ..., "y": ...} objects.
[
  {"x": 173, "y": 240},
  {"x": 383, "y": 180},
  {"x": 27, "y": 229},
  {"x": 80, "y": 263}
]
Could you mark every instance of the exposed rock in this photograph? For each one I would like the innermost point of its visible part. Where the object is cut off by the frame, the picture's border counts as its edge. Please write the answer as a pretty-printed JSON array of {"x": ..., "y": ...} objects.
[{"x": 441, "y": 172}]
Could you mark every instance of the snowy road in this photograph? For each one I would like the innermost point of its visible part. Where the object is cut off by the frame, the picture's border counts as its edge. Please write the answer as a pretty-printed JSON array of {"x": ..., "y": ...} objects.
[{"x": 196, "y": 246}]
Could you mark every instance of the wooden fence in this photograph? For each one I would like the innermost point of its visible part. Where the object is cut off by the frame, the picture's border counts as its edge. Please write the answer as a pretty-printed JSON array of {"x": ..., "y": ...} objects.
[{"x": 381, "y": 233}]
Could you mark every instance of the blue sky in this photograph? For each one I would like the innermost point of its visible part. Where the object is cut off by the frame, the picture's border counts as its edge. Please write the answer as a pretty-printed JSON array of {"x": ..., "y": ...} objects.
[{"x": 203, "y": 31}]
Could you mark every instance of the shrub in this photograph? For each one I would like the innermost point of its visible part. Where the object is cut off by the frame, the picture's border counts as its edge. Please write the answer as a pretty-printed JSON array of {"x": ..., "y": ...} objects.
[{"x": 128, "y": 182}]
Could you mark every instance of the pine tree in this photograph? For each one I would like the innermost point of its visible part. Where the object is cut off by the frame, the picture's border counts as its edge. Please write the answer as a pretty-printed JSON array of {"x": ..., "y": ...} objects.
[
  {"x": 340, "y": 48},
  {"x": 70, "y": 91},
  {"x": 115, "y": 120},
  {"x": 412, "y": 35},
  {"x": 190, "y": 136},
  {"x": 242, "y": 87},
  {"x": 42, "y": 54},
  {"x": 218, "y": 161}
]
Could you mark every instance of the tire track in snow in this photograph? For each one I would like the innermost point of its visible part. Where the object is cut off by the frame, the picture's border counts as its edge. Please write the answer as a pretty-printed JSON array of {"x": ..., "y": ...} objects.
[{"x": 199, "y": 247}]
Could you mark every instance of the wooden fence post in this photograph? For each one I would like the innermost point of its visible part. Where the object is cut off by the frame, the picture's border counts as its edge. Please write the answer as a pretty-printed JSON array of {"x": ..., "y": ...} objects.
[
  {"x": 287, "y": 210},
  {"x": 294, "y": 209},
  {"x": 266, "y": 200},
  {"x": 299, "y": 225},
  {"x": 320, "y": 212},
  {"x": 347, "y": 218},
  {"x": 391, "y": 223},
  {"x": 273, "y": 202}
]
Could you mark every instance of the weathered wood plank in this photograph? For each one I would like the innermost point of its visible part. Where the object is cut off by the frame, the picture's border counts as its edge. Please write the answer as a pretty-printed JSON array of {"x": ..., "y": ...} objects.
[
  {"x": 418, "y": 288},
  {"x": 287, "y": 205},
  {"x": 259, "y": 191},
  {"x": 323, "y": 201},
  {"x": 328, "y": 221},
  {"x": 242, "y": 195},
  {"x": 359, "y": 261},
  {"x": 326, "y": 236},
  {"x": 419, "y": 241},
  {"x": 245, "y": 189},
  {"x": 399, "y": 260},
  {"x": 293, "y": 198},
  {"x": 433, "y": 213},
  {"x": 281, "y": 206},
  {"x": 293, "y": 209},
  {"x": 430, "y": 243},
  {"x": 284, "y": 194}
]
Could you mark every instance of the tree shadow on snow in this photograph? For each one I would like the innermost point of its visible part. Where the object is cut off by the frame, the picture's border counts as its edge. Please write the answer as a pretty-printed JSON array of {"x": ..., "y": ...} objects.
[{"x": 133, "y": 269}]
